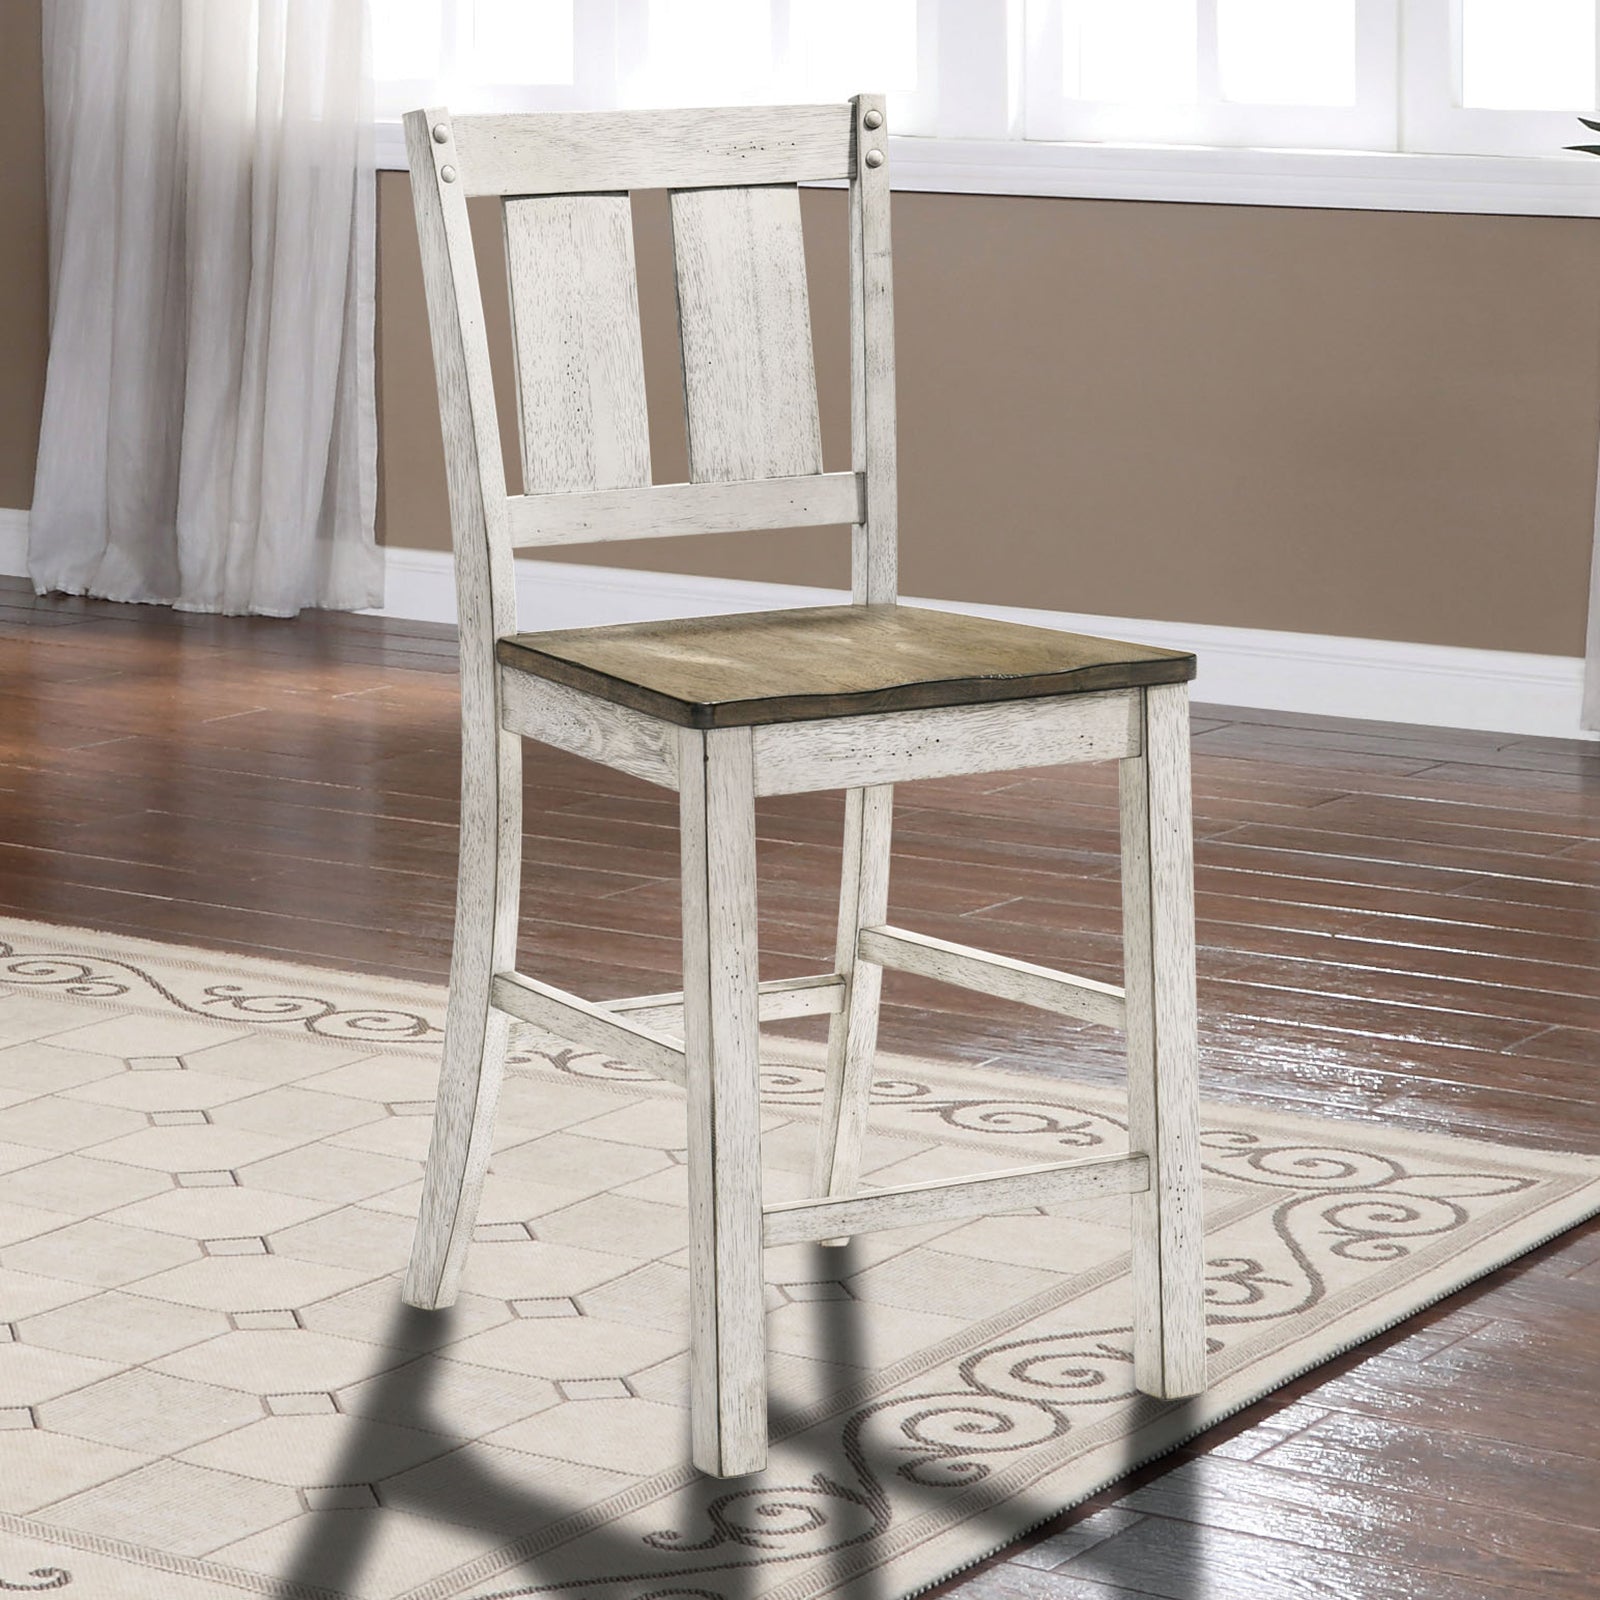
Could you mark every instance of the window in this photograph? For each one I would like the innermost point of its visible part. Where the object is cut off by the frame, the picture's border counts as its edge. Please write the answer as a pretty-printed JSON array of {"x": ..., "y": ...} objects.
[
  {"x": 490, "y": 55},
  {"x": 694, "y": 52},
  {"x": 1304, "y": 73},
  {"x": 1486, "y": 77},
  {"x": 1186, "y": 99},
  {"x": 1497, "y": 77}
]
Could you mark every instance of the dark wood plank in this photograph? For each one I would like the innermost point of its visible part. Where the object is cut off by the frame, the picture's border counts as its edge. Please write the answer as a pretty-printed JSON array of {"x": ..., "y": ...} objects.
[
  {"x": 1184, "y": 1558},
  {"x": 1382, "y": 1524},
  {"x": 1381, "y": 1455}
]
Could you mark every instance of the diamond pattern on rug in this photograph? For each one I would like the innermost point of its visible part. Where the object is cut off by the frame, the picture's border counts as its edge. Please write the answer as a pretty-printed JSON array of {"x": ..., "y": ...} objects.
[{"x": 209, "y": 1170}]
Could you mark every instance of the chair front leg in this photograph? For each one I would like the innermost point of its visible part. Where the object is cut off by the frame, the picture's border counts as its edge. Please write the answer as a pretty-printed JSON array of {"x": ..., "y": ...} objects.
[
  {"x": 853, "y": 1030},
  {"x": 1163, "y": 1105},
  {"x": 727, "y": 1361},
  {"x": 488, "y": 886}
]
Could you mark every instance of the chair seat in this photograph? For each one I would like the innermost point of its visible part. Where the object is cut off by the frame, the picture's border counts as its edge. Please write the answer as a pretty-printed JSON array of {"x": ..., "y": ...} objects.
[{"x": 830, "y": 661}]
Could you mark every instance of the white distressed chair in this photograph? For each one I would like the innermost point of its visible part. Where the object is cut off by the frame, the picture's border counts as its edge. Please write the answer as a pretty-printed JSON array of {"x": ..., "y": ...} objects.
[{"x": 725, "y": 709}]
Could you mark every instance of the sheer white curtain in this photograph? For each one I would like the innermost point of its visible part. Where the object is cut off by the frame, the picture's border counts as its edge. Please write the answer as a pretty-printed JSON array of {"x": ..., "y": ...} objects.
[{"x": 209, "y": 435}]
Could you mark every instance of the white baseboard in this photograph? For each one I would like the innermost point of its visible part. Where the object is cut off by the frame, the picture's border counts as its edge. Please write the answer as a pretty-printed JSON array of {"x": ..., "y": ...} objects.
[
  {"x": 13, "y": 543},
  {"x": 1499, "y": 691},
  {"x": 1445, "y": 686}
]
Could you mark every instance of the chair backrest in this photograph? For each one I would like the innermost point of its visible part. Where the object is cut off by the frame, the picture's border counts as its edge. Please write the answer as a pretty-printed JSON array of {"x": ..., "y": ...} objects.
[{"x": 750, "y": 394}]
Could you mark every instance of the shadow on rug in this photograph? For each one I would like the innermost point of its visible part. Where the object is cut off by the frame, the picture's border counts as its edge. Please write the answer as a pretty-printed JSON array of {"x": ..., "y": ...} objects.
[{"x": 209, "y": 1169}]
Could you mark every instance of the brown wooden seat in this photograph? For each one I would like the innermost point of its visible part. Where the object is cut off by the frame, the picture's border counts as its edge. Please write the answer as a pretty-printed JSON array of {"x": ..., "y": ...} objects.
[{"x": 830, "y": 661}]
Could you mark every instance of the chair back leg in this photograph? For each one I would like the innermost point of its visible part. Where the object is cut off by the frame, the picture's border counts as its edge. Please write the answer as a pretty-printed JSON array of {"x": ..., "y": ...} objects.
[
  {"x": 853, "y": 1030},
  {"x": 727, "y": 1311},
  {"x": 1163, "y": 1107},
  {"x": 488, "y": 888}
]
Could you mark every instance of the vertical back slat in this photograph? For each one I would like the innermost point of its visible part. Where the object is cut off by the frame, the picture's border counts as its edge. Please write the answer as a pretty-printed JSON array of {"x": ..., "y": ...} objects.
[
  {"x": 580, "y": 366},
  {"x": 749, "y": 380}
]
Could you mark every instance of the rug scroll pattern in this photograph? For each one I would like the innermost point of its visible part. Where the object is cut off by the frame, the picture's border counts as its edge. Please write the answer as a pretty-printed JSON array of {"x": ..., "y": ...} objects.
[{"x": 933, "y": 1394}]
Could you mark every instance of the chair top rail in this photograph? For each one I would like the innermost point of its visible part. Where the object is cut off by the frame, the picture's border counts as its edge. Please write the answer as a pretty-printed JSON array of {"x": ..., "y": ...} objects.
[{"x": 578, "y": 152}]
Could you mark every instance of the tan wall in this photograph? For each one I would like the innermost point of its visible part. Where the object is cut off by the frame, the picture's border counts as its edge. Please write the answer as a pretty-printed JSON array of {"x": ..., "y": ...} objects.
[
  {"x": 1380, "y": 424},
  {"x": 1367, "y": 423},
  {"x": 24, "y": 280}
]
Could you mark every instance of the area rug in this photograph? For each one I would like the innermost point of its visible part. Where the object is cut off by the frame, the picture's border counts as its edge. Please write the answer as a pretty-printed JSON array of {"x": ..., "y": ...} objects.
[{"x": 209, "y": 1168}]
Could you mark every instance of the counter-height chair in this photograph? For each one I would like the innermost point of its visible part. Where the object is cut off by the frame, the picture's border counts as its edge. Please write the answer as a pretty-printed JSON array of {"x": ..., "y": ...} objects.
[{"x": 723, "y": 709}]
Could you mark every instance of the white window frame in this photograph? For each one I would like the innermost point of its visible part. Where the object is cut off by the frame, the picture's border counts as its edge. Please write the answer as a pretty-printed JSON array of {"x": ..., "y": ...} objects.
[
  {"x": 910, "y": 111},
  {"x": 594, "y": 38},
  {"x": 605, "y": 68},
  {"x": 1371, "y": 123},
  {"x": 1435, "y": 121},
  {"x": 967, "y": 129}
]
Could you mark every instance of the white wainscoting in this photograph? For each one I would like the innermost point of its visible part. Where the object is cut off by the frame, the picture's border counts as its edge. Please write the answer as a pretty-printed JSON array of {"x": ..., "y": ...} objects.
[
  {"x": 1443, "y": 686},
  {"x": 1501, "y": 691},
  {"x": 13, "y": 543}
]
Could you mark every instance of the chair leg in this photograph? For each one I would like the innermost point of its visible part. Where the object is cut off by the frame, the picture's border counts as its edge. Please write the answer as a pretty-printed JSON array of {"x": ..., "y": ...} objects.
[
  {"x": 1163, "y": 1107},
  {"x": 727, "y": 1361},
  {"x": 853, "y": 1031},
  {"x": 488, "y": 885}
]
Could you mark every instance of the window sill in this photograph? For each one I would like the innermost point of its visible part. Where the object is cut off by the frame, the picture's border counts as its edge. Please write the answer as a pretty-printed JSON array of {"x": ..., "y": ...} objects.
[
  {"x": 1555, "y": 185},
  {"x": 1337, "y": 179}
]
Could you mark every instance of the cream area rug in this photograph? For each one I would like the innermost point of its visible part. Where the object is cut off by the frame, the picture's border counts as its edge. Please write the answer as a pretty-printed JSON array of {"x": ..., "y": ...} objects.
[{"x": 209, "y": 1168}]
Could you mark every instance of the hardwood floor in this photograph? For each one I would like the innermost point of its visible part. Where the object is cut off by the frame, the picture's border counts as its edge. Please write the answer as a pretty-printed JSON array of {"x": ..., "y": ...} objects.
[{"x": 1397, "y": 924}]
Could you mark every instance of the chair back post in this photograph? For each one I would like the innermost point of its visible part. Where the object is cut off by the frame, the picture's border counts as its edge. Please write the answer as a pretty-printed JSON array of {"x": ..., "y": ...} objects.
[
  {"x": 874, "y": 560},
  {"x": 487, "y": 884},
  {"x": 474, "y": 470}
]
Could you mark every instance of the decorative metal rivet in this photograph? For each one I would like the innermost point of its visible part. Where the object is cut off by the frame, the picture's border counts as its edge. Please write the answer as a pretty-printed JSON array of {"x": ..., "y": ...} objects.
[
  {"x": 447, "y": 174},
  {"x": 873, "y": 119},
  {"x": 874, "y": 158},
  {"x": 441, "y": 134}
]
